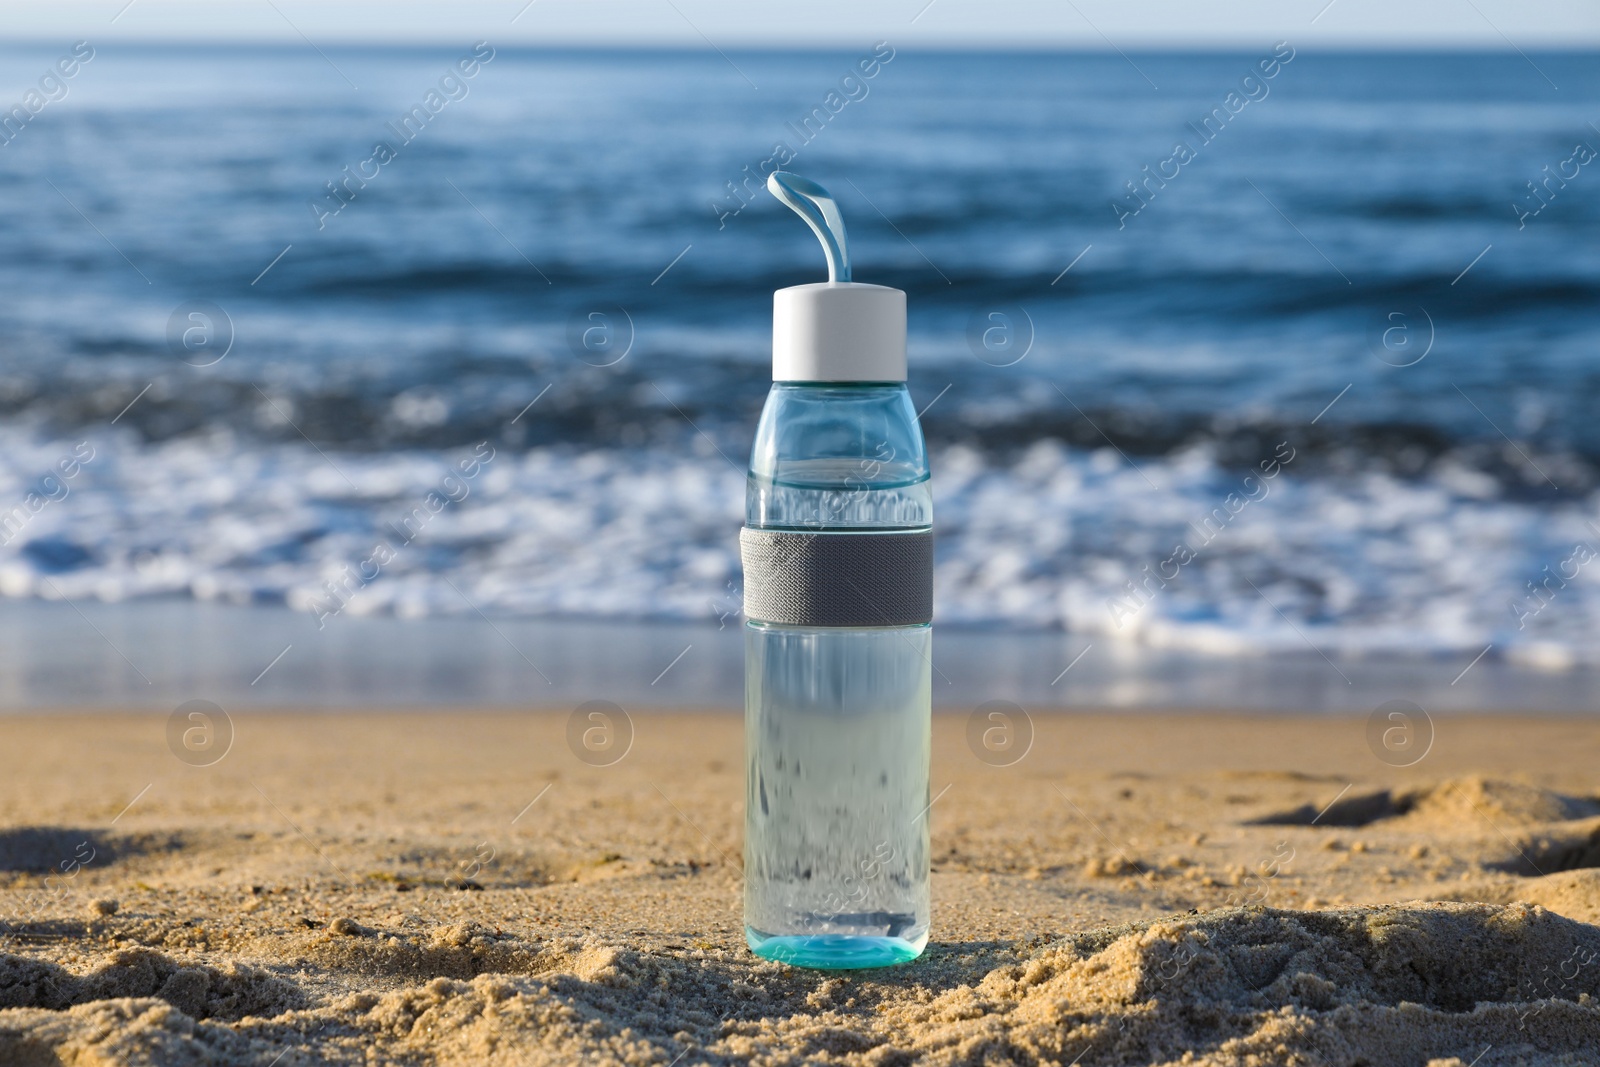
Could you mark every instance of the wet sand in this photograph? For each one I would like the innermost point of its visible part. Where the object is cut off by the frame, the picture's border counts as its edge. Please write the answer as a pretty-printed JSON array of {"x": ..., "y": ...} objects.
[{"x": 462, "y": 888}]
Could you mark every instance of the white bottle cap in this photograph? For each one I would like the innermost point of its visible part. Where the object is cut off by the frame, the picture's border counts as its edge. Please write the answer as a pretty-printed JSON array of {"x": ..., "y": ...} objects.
[{"x": 839, "y": 332}]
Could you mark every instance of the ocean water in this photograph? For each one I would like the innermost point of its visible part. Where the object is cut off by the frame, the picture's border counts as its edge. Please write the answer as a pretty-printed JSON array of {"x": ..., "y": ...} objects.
[{"x": 1330, "y": 382}]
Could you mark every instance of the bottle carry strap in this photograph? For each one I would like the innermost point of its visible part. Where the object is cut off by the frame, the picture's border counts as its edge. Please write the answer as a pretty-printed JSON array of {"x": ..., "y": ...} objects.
[{"x": 837, "y": 579}]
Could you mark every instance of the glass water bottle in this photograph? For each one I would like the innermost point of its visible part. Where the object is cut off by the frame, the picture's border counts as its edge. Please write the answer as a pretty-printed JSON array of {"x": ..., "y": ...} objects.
[{"x": 837, "y": 549}]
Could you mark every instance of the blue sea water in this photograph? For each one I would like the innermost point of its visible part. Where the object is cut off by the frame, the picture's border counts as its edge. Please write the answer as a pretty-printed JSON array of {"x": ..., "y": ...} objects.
[{"x": 1343, "y": 354}]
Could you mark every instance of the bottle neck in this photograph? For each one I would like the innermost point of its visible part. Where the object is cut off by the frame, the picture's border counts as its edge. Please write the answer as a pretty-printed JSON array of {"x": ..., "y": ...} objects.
[{"x": 839, "y": 455}]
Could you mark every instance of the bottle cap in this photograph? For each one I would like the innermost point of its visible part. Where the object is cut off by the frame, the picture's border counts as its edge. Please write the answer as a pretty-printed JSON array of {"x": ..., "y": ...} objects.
[{"x": 838, "y": 330}]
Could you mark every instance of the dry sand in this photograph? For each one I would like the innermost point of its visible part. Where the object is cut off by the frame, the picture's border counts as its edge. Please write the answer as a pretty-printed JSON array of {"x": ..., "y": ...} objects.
[{"x": 460, "y": 889}]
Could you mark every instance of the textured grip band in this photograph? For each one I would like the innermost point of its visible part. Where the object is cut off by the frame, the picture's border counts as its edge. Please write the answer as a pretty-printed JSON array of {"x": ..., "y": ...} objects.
[{"x": 837, "y": 579}]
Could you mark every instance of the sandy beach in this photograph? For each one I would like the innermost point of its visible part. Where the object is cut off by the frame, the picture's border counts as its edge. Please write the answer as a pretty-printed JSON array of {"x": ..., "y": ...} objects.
[{"x": 461, "y": 888}]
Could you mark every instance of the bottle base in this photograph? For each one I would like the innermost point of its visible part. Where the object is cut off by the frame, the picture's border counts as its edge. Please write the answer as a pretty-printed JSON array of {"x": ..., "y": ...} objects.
[{"x": 833, "y": 952}]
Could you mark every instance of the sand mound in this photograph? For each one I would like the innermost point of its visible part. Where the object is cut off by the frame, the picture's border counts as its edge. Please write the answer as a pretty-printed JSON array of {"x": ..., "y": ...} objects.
[
  {"x": 138, "y": 1032},
  {"x": 1393, "y": 984},
  {"x": 1457, "y": 801},
  {"x": 1402, "y": 984},
  {"x": 199, "y": 991},
  {"x": 1549, "y": 853},
  {"x": 461, "y": 950},
  {"x": 1575, "y": 894}
]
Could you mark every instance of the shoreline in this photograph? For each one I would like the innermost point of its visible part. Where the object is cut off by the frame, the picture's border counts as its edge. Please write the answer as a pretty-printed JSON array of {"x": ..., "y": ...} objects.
[{"x": 159, "y": 653}]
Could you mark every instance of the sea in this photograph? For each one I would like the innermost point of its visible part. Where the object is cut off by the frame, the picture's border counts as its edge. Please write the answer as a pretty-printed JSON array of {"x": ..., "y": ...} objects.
[{"x": 1270, "y": 363}]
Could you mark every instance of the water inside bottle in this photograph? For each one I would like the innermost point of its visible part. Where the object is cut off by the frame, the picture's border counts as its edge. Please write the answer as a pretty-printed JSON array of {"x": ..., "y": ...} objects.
[{"x": 836, "y": 840}]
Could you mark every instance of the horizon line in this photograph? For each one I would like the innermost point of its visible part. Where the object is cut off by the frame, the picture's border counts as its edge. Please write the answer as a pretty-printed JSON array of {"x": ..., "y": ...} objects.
[{"x": 997, "y": 46}]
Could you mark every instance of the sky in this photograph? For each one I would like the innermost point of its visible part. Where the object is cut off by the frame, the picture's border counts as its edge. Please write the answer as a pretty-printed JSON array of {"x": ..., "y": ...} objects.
[{"x": 1092, "y": 24}]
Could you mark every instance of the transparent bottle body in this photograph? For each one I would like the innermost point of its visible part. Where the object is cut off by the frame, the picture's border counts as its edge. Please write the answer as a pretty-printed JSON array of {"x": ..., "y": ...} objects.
[{"x": 837, "y": 720}]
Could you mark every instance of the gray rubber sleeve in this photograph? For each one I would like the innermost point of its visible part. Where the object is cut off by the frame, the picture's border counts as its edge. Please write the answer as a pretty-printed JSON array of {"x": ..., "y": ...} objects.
[{"x": 837, "y": 579}]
